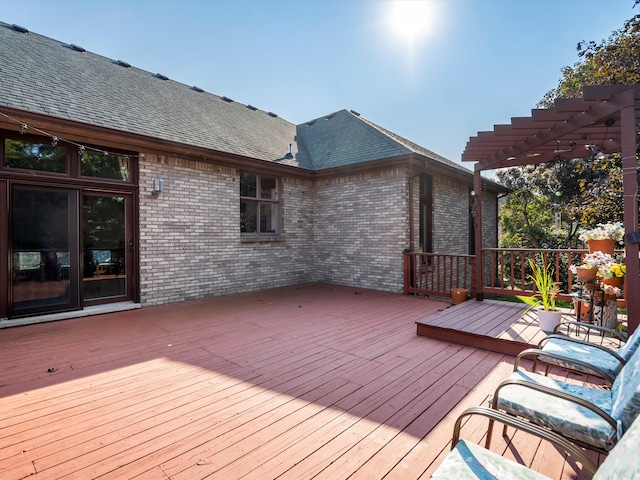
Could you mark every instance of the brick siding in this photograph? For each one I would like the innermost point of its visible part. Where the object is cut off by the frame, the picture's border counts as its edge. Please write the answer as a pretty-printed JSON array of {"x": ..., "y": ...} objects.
[{"x": 346, "y": 230}]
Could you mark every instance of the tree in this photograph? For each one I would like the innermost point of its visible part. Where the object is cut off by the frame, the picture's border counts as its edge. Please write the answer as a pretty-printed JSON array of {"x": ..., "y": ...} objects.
[
  {"x": 613, "y": 61},
  {"x": 528, "y": 217},
  {"x": 584, "y": 191}
]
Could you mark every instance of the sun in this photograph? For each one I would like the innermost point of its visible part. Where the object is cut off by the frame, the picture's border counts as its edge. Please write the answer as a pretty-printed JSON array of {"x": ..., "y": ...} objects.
[{"x": 411, "y": 20}]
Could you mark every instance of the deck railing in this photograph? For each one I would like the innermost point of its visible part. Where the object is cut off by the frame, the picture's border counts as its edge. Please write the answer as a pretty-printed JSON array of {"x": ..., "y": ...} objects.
[
  {"x": 436, "y": 274},
  {"x": 505, "y": 271}
]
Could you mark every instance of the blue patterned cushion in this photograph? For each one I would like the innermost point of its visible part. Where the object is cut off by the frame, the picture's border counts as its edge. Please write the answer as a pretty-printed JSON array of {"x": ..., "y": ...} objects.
[
  {"x": 587, "y": 353},
  {"x": 468, "y": 461},
  {"x": 563, "y": 416},
  {"x": 631, "y": 345},
  {"x": 624, "y": 460},
  {"x": 625, "y": 392}
]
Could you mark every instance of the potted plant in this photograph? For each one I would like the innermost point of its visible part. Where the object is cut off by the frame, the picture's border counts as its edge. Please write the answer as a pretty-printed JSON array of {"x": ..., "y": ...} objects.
[
  {"x": 612, "y": 273},
  {"x": 603, "y": 237},
  {"x": 593, "y": 264},
  {"x": 546, "y": 291}
]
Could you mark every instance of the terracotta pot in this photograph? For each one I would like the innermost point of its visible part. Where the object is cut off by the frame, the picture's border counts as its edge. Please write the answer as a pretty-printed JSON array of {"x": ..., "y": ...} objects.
[
  {"x": 604, "y": 246},
  {"x": 458, "y": 295},
  {"x": 617, "y": 282},
  {"x": 586, "y": 274}
]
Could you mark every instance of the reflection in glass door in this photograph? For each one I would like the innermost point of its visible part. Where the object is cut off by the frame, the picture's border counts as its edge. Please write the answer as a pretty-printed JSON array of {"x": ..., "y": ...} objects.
[
  {"x": 104, "y": 247},
  {"x": 44, "y": 266}
]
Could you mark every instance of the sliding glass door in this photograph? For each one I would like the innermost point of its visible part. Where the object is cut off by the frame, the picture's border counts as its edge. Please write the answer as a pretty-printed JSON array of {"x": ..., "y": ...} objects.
[
  {"x": 69, "y": 249},
  {"x": 106, "y": 246},
  {"x": 44, "y": 250}
]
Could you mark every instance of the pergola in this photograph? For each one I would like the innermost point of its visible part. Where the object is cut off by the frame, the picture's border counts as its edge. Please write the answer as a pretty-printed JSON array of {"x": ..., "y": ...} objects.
[{"x": 606, "y": 119}]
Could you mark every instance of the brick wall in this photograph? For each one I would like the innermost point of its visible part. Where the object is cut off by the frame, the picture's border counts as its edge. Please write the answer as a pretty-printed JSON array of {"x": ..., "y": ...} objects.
[
  {"x": 450, "y": 216},
  {"x": 190, "y": 243},
  {"x": 346, "y": 230},
  {"x": 361, "y": 229}
]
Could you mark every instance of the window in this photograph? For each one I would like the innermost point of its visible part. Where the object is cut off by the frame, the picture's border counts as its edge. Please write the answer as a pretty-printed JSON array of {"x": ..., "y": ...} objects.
[
  {"x": 31, "y": 153},
  {"x": 34, "y": 156},
  {"x": 259, "y": 204},
  {"x": 426, "y": 213},
  {"x": 104, "y": 165}
]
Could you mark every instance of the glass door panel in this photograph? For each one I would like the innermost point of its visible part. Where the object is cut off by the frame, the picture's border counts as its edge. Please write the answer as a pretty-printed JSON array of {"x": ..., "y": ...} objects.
[
  {"x": 105, "y": 246},
  {"x": 44, "y": 250}
]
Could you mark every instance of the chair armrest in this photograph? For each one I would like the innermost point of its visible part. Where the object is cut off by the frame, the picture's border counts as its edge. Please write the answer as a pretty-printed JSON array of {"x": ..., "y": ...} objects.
[
  {"x": 591, "y": 326},
  {"x": 554, "y": 393},
  {"x": 543, "y": 433},
  {"x": 540, "y": 354}
]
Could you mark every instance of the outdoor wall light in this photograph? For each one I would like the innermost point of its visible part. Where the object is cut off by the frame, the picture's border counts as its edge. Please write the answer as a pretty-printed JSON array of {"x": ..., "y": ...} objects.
[{"x": 157, "y": 186}]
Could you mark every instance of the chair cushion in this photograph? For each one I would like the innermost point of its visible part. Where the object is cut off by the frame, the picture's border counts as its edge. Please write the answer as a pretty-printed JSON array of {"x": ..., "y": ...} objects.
[
  {"x": 563, "y": 416},
  {"x": 588, "y": 353},
  {"x": 624, "y": 460},
  {"x": 625, "y": 392},
  {"x": 630, "y": 346},
  {"x": 468, "y": 461}
]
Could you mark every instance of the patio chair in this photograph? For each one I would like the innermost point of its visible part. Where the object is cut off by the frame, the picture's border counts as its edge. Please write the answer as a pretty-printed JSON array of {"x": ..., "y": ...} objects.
[
  {"x": 470, "y": 461},
  {"x": 583, "y": 356},
  {"x": 591, "y": 417}
]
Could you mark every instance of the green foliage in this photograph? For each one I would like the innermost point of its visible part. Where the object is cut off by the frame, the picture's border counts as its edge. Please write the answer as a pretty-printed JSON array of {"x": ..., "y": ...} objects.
[
  {"x": 528, "y": 217},
  {"x": 579, "y": 192},
  {"x": 613, "y": 61},
  {"x": 547, "y": 288}
]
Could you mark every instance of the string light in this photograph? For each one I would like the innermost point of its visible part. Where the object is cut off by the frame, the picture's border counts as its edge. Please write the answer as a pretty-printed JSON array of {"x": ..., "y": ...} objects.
[
  {"x": 81, "y": 148},
  {"x": 55, "y": 140}
]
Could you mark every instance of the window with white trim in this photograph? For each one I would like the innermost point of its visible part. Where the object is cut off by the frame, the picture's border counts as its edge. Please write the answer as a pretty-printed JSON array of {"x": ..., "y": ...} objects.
[{"x": 259, "y": 204}]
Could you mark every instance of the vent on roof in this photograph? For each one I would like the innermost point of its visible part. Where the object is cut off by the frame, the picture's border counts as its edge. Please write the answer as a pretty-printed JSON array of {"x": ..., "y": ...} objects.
[
  {"x": 271, "y": 114},
  {"x": 251, "y": 107},
  {"x": 197, "y": 89},
  {"x": 329, "y": 117},
  {"x": 162, "y": 77},
  {"x": 77, "y": 48},
  {"x": 289, "y": 153},
  {"x": 357, "y": 114},
  {"x": 310, "y": 123},
  {"x": 227, "y": 99},
  {"x": 20, "y": 29},
  {"x": 124, "y": 64}
]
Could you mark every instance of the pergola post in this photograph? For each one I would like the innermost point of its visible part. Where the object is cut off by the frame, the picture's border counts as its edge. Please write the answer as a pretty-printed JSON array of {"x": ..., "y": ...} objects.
[
  {"x": 477, "y": 230},
  {"x": 630, "y": 205}
]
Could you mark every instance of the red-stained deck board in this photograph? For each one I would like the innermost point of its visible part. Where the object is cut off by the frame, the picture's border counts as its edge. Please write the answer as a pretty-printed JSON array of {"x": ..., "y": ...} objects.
[{"x": 309, "y": 381}]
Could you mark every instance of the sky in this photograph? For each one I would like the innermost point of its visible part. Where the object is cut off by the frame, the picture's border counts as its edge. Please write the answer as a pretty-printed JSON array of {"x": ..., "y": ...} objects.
[{"x": 436, "y": 74}]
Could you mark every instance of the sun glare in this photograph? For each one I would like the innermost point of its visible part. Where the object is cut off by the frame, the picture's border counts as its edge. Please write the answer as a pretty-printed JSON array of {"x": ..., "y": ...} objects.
[{"x": 411, "y": 20}]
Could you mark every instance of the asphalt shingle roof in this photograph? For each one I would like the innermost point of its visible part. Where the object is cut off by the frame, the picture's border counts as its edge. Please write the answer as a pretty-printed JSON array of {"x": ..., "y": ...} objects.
[{"x": 48, "y": 77}]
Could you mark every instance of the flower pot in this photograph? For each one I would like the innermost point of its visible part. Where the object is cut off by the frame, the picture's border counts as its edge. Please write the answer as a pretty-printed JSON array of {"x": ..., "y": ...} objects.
[
  {"x": 607, "y": 245},
  {"x": 458, "y": 295},
  {"x": 617, "y": 282},
  {"x": 586, "y": 274},
  {"x": 582, "y": 309},
  {"x": 549, "y": 320}
]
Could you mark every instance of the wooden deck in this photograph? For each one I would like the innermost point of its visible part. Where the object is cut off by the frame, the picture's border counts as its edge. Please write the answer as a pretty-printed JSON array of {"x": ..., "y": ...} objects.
[
  {"x": 497, "y": 326},
  {"x": 310, "y": 381}
]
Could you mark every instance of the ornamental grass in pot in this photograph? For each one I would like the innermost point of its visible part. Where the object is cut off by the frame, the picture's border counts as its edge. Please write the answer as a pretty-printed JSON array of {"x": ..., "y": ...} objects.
[{"x": 547, "y": 290}]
